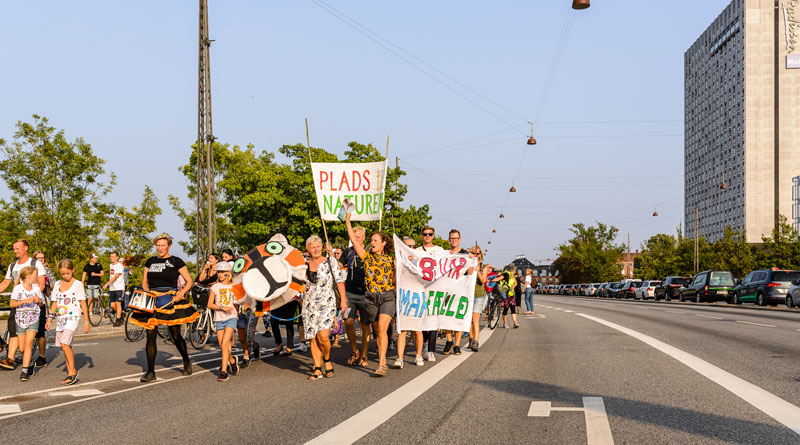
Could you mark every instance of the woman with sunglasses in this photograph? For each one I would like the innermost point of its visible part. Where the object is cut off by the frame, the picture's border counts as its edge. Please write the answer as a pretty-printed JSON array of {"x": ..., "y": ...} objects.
[
  {"x": 172, "y": 308},
  {"x": 427, "y": 246}
]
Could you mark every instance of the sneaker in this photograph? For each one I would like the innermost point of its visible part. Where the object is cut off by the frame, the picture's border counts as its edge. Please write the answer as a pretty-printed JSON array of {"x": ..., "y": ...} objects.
[
  {"x": 516, "y": 326},
  {"x": 457, "y": 350},
  {"x": 506, "y": 326},
  {"x": 256, "y": 351},
  {"x": 118, "y": 323},
  {"x": 430, "y": 357},
  {"x": 267, "y": 334},
  {"x": 244, "y": 363},
  {"x": 149, "y": 377},
  {"x": 187, "y": 368},
  {"x": 24, "y": 377},
  {"x": 41, "y": 362},
  {"x": 398, "y": 363},
  {"x": 223, "y": 377},
  {"x": 7, "y": 364},
  {"x": 475, "y": 346},
  {"x": 234, "y": 368},
  {"x": 447, "y": 347},
  {"x": 418, "y": 360},
  {"x": 302, "y": 347},
  {"x": 32, "y": 369}
]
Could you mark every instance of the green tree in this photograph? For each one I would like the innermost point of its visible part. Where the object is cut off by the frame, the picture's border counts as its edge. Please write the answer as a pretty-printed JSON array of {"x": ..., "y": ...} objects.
[
  {"x": 733, "y": 253},
  {"x": 780, "y": 249},
  {"x": 659, "y": 257},
  {"x": 590, "y": 255},
  {"x": 131, "y": 232},
  {"x": 57, "y": 189}
]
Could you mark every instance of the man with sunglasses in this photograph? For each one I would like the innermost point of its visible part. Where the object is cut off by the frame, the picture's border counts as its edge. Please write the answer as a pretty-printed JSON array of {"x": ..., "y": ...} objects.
[
  {"x": 428, "y": 234},
  {"x": 455, "y": 247}
]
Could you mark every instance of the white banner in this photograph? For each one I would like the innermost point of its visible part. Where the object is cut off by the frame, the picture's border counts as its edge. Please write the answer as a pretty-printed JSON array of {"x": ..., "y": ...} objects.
[
  {"x": 434, "y": 291},
  {"x": 361, "y": 183}
]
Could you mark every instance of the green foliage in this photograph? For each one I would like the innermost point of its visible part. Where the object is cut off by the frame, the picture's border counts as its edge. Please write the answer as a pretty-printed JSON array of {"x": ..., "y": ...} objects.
[
  {"x": 130, "y": 232},
  {"x": 590, "y": 256},
  {"x": 257, "y": 196},
  {"x": 57, "y": 190},
  {"x": 781, "y": 249},
  {"x": 733, "y": 253}
]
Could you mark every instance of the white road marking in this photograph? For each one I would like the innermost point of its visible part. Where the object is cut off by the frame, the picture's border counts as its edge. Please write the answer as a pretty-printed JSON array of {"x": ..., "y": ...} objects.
[
  {"x": 674, "y": 312},
  {"x": 755, "y": 324},
  {"x": 571, "y": 312},
  {"x": 9, "y": 408},
  {"x": 136, "y": 379},
  {"x": 539, "y": 409},
  {"x": 770, "y": 404},
  {"x": 85, "y": 344},
  {"x": 78, "y": 393},
  {"x": 379, "y": 412},
  {"x": 708, "y": 316},
  {"x": 598, "y": 431}
]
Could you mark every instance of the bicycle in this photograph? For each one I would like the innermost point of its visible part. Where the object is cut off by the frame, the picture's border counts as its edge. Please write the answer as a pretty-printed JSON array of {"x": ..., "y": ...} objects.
[
  {"x": 493, "y": 313},
  {"x": 203, "y": 328},
  {"x": 134, "y": 332},
  {"x": 97, "y": 311}
]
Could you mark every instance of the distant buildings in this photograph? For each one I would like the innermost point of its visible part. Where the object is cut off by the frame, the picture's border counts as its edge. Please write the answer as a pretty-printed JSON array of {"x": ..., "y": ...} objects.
[
  {"x": 542, "y": 273},
  {"x": 625, "y": 263},
  {"x": 742, "y": 119}
]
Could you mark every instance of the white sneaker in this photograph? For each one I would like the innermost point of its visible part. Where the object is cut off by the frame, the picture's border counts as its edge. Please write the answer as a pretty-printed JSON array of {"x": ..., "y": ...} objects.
[
  {"x": 419, "y": 361},
  {"x": 302, "y": 347},
  {"x": 398, "y": 363},
  {"x": 430, "y": 357}
]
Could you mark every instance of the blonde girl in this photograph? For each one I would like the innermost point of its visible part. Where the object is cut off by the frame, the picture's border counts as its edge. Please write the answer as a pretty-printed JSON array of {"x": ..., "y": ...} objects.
[
  {"x": 225, "y": 317},
  {"x": 69, "y": 302},
  {"x": 26, "y": 298}
]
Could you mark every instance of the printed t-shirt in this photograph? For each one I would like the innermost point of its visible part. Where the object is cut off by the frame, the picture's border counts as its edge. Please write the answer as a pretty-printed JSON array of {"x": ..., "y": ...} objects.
[
  {"x": 355, "y": 272},
  {"x": 379, "y": 272},
  {"x": 27, "y": 313},
  {"x": 13, "y": 270},
  {"x": 431, "y": 249},
  {"x": 119, "y": 283},
  {"x": 163, "y": 272},
  {"x": 68, "y": 305},
  {"x": 88, "y": 268},
  {"x": 223, "y": 296}
]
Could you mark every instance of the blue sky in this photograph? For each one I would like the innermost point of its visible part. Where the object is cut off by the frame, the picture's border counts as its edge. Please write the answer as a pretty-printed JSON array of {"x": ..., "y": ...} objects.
[{"x": 609, "y": 122}]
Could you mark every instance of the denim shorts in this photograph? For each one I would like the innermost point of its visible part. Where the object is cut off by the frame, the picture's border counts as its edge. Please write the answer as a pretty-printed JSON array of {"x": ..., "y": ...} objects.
[
  {"x": 478, "y": 304},
  {"x": 31, "y": 327},
  {"x": 229, "y": 323},
  {"x": 242, "y": 321}
]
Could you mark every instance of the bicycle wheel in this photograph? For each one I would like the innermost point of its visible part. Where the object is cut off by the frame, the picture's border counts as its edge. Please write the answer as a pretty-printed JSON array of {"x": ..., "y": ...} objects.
[
  {"x": 163, "y": 331},
  {"x": 133, "y": 332},
  {"x": 494, "y": 314},
  {"x": 95, "y": 312},
  {"x": 200, "y": 331},
  {"x": 112, "y": 315}
]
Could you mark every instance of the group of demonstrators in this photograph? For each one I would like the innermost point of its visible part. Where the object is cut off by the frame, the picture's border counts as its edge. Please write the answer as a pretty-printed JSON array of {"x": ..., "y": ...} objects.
[{"x": 341, "y": 286}]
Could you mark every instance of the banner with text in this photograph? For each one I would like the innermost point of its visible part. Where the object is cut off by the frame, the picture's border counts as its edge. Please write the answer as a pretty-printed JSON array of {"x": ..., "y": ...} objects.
[
  {"x": 361, "y": 183},
  {"x": 434, "y": 290}
]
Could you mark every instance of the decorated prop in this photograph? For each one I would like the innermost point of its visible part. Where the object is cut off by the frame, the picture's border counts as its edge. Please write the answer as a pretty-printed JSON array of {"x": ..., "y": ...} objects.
[
  {"x": 273, "y": 273},
  {"x": 362, "y": 184},
  {"x": 434, "y": 290}
]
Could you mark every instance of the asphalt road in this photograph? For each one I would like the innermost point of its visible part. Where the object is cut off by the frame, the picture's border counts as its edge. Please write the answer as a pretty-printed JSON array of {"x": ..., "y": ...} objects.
[{"x": 729, "y": 377}]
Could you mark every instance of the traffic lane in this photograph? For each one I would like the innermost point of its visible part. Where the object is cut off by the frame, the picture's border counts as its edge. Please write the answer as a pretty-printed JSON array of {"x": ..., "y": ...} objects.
[
  {"x": 563, "y": 358},
  {"x": 766, "y": 357},
  {"x": 272, "y": 398}
]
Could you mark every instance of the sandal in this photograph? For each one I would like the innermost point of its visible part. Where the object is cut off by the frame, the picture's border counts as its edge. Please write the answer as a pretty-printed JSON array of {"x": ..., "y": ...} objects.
[
  {"x": 353, "y": 359},
  {"x": 314, "y": 375},
  {"x": 278, "y": 350},
  {"x": 70, "y": 380},
  {"x": 381, "y": 371},
  {"x": 363, "y": 362},
  {"x": 328, "y": 372},
  {"x": 287, "y": 352}
]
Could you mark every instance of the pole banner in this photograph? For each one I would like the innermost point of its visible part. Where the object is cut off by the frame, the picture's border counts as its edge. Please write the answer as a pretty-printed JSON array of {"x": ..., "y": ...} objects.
[
  {"x": 434, "y": 290},
  {"x": 362, "y": 184}
]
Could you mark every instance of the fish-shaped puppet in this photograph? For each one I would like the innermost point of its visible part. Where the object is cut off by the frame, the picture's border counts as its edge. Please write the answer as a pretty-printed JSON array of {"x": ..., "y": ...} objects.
[{"x": 273, "y": 273}]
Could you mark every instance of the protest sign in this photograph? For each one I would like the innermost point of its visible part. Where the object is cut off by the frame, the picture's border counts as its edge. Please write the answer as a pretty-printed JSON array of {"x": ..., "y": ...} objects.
[
  {"x": 361, "y": 183},
  {"x": 434, "y": 290}
]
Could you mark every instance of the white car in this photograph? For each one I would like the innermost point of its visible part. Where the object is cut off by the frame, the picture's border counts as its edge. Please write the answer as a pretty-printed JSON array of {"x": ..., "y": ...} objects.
[
  {"x": 647, "y": 290},
  {"x": 591, "y": 289}
]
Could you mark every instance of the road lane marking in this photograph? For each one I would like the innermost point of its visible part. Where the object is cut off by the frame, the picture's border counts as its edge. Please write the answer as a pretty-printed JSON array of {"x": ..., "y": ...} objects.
[
  {"x": 708, "y": 316},
  {"x": 9, "y": 408},
  {"x": 567, "y": 310},
  {"x": 770, "y": 404},
  {"x": 379, "y": 412},
  {"x": 755, "y": 324},
  {"x": 674, "y": 312},
  {"x": 598, "y": 430},
  {"x": 78, "y": 393}
]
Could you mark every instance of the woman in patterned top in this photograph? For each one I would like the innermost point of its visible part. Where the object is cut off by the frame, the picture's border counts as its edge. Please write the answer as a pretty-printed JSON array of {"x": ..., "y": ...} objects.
[
  {"x": 379, "y": 280},
  {"x": 319, "y": 304}
]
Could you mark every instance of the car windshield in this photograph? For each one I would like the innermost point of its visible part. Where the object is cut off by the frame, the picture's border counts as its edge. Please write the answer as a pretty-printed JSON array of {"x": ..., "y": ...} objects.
[
  {"x": 654, "y": 283},
  {"x": 682, "y": 281},
  {"x": 720, "y": 279},
  {"x": 785, "y": 276},
  {"x": 636, "y": 283}
]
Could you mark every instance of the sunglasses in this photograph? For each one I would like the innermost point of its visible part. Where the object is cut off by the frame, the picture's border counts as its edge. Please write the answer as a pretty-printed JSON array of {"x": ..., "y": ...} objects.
[{"x": 427, "y": 234}]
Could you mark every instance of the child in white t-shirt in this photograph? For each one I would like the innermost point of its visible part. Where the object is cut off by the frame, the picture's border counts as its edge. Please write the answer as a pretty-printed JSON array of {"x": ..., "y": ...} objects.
[
  {"x": 69, "y": 302},
  {"x": 26, "y": 298},
  {"x": 222, "y": 300}
]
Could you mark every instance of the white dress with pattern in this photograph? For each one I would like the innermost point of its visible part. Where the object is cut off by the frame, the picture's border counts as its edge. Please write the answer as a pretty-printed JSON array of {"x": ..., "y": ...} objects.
[{"x": 319, "y": 302}]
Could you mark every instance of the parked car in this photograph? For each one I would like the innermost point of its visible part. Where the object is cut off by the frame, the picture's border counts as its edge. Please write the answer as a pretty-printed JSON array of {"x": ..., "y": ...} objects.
[
  {"x": 709, "y": 285},
  {"x": 600, "y": 289},
  {"x": 646, "y": 290},
  {"x": 611, "y": 290},
  {"x": 628, "y": 288},
  {"x": 670, "y": 287},
  {"x": 582, "y": 288},
  {"x": 574, "y": 289},
  {"x": 591, "y": 289},
  {"x": 793, "y": 295},
  {"x": 764, "y": 286}
]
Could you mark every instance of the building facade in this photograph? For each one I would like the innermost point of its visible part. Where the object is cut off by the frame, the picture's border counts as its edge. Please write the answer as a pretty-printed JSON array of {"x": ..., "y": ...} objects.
[{"x": 742, "y": 119}]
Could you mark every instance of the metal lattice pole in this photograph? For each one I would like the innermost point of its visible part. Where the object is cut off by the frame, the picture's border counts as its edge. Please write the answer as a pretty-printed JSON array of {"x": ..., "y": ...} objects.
[{"x": 206, "y": 230}]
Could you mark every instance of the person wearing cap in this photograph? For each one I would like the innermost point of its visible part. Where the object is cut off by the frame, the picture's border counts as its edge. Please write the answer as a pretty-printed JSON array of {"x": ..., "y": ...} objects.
[
  {"x": 92, "y": 276},
  {"x": 225, "y": 317}
]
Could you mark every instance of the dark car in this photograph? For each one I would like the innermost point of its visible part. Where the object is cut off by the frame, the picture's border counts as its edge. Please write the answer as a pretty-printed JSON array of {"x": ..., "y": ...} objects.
[
  {"x": 628, "y": 288},
  {"x": 582, "y": 289},
  {"x": 611, "y": 290},
  {"x": 669, "y": 288},
  {"x": 709, "y": 285},
  {"x": 765, "y": 286}
]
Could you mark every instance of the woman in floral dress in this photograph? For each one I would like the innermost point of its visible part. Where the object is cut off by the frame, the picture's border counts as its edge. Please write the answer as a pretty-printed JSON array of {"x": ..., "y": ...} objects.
[{"x": 319, "y": 305}]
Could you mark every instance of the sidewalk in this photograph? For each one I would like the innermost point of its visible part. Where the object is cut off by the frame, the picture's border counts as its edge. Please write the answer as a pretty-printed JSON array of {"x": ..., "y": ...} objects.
[{"x": 104, "y": 330}]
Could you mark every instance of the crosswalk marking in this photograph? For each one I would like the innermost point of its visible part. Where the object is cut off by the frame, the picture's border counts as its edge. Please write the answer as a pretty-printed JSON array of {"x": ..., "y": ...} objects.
[
  {"x": 78, "y": 393},
  {"x": 9, "y": 408}
]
